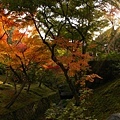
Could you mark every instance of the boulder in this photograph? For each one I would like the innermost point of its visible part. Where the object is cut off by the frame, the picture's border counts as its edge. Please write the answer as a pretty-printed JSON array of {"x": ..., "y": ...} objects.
[{"x": 115, "y": 116}]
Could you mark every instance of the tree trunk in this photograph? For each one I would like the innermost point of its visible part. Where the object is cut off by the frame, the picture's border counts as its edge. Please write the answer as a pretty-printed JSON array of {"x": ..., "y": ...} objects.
[
  {"x": 84, "y": 47},
  {"x": 15, "y": 86},
  {"x": 6, "y": 78},
  {"x": 29, "y": 84},
  {"x": 77, "y": 86},
  {"x": 73, "y": 89},
  {"x": 39, "y": 84},
  {"x": 15, "y": 96},
  {"x": 70, "y": 83}
]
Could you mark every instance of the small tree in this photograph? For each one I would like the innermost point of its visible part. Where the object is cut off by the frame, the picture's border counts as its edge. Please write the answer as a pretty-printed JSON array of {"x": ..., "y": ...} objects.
[{"x": 20, "y": 54}]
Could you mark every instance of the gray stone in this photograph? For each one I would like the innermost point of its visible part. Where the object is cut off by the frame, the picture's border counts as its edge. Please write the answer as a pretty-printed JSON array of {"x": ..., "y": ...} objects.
[{"x": 115, "y": 116}]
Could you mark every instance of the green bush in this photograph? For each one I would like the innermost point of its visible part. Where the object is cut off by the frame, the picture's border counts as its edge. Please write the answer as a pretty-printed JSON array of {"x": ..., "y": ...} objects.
[
  {"x": 2, "y": 69},
  {"x": 70, "y": 112},
  {"x": 49, "y": 78},
  {"x": 115, "y": 56},
  {"x": 67, "y": 110},
  {"x": 108, "y": 69}
]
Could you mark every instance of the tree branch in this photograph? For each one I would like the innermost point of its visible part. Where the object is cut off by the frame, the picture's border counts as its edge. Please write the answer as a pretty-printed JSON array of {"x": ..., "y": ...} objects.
[{"x": 2, "y": 35}]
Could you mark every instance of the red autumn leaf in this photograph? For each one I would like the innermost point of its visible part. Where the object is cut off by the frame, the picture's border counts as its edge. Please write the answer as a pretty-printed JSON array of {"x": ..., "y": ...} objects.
[
  {"x": 21, "y": 47},
  {"x": 48, "y": 67},
  {"x": 53, "y": 67}
]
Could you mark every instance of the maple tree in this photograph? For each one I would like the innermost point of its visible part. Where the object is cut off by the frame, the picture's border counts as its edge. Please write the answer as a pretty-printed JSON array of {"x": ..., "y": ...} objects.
[
  {"x": 65, "y": 30},
  {"x": 22, "y": 54}
]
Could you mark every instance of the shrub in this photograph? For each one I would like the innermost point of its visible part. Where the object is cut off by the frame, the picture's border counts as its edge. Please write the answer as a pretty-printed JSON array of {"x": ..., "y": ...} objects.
[
  {"x": 108, "y": 69},
  {"x": 49, "y": 78},
  {"x": 67, "y": 110},
  {"x": 70, "y": 112},
  {"x": 2, "y": 69}
]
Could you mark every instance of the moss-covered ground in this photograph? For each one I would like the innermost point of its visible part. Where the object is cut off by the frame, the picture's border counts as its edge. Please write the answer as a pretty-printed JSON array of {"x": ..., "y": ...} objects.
[
  {"x": 7, "y": 92},
  {"x": 105, "y": 100}
]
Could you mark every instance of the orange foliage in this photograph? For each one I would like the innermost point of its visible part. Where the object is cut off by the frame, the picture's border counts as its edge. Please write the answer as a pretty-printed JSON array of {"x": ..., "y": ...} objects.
[
  {"x": 15, "y": 45},
  {"x": 21, "y": 47},
  {"x": 73, "y": 59},
  {"x": 89, "y": 78}
]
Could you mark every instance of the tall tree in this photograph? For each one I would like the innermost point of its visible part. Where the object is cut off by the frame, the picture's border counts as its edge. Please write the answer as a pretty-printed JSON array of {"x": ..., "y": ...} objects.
[
  {"x": 61, "y": 20},
  {"x": 21, "y": 52},
  {"x": 71, "y": 19},
  {"x": 108, "y": 39}
]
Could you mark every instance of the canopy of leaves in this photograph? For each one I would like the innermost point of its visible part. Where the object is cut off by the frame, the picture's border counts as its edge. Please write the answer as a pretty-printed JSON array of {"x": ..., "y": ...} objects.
[
  {"x": 16, "y": 46},
  {"x": 63, "y": 25},
  {"x": 70, "y": 19}
]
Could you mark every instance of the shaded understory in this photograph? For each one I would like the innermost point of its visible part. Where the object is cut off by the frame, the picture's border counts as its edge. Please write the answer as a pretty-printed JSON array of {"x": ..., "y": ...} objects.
[
  {"x": 37, "y": 100},
  {"x": 104, "y": 101}
]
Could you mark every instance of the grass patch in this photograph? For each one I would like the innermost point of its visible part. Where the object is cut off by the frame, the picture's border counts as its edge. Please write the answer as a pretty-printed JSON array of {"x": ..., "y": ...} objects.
[
  {"x": 35, "y": 94},
  {"x": 106, "y": 100}
]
